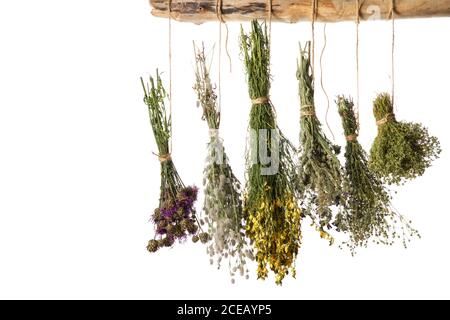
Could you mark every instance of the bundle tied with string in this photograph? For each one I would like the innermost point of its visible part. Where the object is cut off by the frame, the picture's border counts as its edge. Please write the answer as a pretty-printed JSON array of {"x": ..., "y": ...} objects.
[
  {"x": 271, "y": 194},
  {"x": 320, "y": 170},
  {"x": 402, "y": 150},
  {"x": 368, "y": 214},
  {"x": 222, "y": 203},
  {"x": 175, "y": 218}
]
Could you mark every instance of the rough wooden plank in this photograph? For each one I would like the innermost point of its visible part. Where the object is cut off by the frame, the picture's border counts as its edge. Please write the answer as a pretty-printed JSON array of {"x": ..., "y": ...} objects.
[{"x": 298, "y": 10}]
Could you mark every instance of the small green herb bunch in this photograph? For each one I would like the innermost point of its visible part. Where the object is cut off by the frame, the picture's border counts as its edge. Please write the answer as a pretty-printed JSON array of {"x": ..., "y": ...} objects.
[
  {"x": 369, "y": 215},
  {"x": 402, "y": 150},
  {"x": 175, "y": 218},
  {"x": 271, "y": 197},
  {"x": 320, "y": 169},
  {"x": 223, "y": 203}
]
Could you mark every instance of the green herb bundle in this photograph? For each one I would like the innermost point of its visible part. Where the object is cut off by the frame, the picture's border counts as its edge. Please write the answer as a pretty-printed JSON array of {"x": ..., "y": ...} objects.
[
  {"x": 369, "y": 214},
  {"x": 271, "y": 195},
  {"x": 175, "y": 218},
  {"x": 222, "y": 204},
  {"x": 320, "y": 169},
  {"x": 401, "y": 150}
]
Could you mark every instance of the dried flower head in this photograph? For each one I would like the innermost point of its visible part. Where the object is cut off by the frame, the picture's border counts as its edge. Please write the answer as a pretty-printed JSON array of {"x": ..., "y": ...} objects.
[{"x": 174, "y": 219}]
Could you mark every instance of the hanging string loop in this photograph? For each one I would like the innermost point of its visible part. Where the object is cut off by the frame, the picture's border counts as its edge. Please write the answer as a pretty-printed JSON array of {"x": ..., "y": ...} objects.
[
  {"x": 357, "y": 106},
  {"x": 392, "y": 14}
]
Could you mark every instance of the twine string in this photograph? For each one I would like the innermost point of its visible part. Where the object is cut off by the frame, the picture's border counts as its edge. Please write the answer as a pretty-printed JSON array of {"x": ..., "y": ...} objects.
[
  {"x": 214, "y": 133},
  {"x": 307, "y": 110},
  {"x": 266, "y": 100},
  {"x": 313, "y": 40},
  {"x": 260, "y": 100},
  {"x": 357, "y": 10},
  {"x": 219, "y": 13},
  {"x": 393, "y": 52},
  {"x": 163, "y": 158},
  {"x": 307, "y": 114},
  {"x": 386, "y": 119},
  {"x": 269, "y": 8},
  {"x": 170, "y": 75},
  {"x": 221, "y": 20},
  {"x": 321, "y": 79}
]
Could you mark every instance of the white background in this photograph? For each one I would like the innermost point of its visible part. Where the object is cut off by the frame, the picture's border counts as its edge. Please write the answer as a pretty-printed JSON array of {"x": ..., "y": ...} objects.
[{"x": 78, "y": 180}]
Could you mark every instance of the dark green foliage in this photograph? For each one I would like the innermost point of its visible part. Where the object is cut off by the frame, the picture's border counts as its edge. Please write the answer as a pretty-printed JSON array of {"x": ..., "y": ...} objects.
[{"x": 256, "y": 53}]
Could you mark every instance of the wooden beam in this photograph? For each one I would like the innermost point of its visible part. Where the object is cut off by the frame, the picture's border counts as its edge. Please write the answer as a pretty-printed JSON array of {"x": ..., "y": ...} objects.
[{"x": 298, "y": 10}]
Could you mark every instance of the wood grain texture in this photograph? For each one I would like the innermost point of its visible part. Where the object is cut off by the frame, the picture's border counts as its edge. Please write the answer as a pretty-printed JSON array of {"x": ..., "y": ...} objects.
[{"x": 298, "y": 10}]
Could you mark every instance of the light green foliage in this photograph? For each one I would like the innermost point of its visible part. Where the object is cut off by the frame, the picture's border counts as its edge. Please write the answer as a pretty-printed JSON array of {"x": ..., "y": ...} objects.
[
  {"x": 368, "y": 213},
  {"x": 320, "y": 170},
  {"x": 402, "y": 150}
]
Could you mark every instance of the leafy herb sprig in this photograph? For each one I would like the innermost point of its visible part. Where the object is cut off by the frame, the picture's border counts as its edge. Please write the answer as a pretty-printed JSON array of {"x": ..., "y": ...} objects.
[
  {"x": 320, "y": 169},
  {"x": 175, "y": 218},
  {"x": 402, "y": 150}
]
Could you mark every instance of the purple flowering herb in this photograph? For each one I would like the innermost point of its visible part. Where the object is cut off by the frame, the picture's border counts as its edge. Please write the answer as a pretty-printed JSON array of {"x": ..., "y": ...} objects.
[{"x": 161, "y": 231}]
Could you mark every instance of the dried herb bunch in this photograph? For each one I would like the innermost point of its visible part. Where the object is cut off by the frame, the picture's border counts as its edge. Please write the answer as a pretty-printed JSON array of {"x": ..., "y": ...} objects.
[
  {"x": 222, "y": 204},
  {"x": 271, "y": 196},
  {"x": 175, "y": 218},
  {"x": 369, "y": 215},
  {"x": 401, "y": 150},
  {"x": 320, "y": 169}
]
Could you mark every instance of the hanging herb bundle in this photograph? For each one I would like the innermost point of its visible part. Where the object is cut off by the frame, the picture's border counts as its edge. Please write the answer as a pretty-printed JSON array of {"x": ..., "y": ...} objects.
[
  {"x": 175, "y": 218},
  {"x": 320, "y": 169},
  {"x": 271, "y": 195},
  {"x": 222, "y": 204},
  {"x": 401, "y": 150},
  {"x": 369, "y": 215}
]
